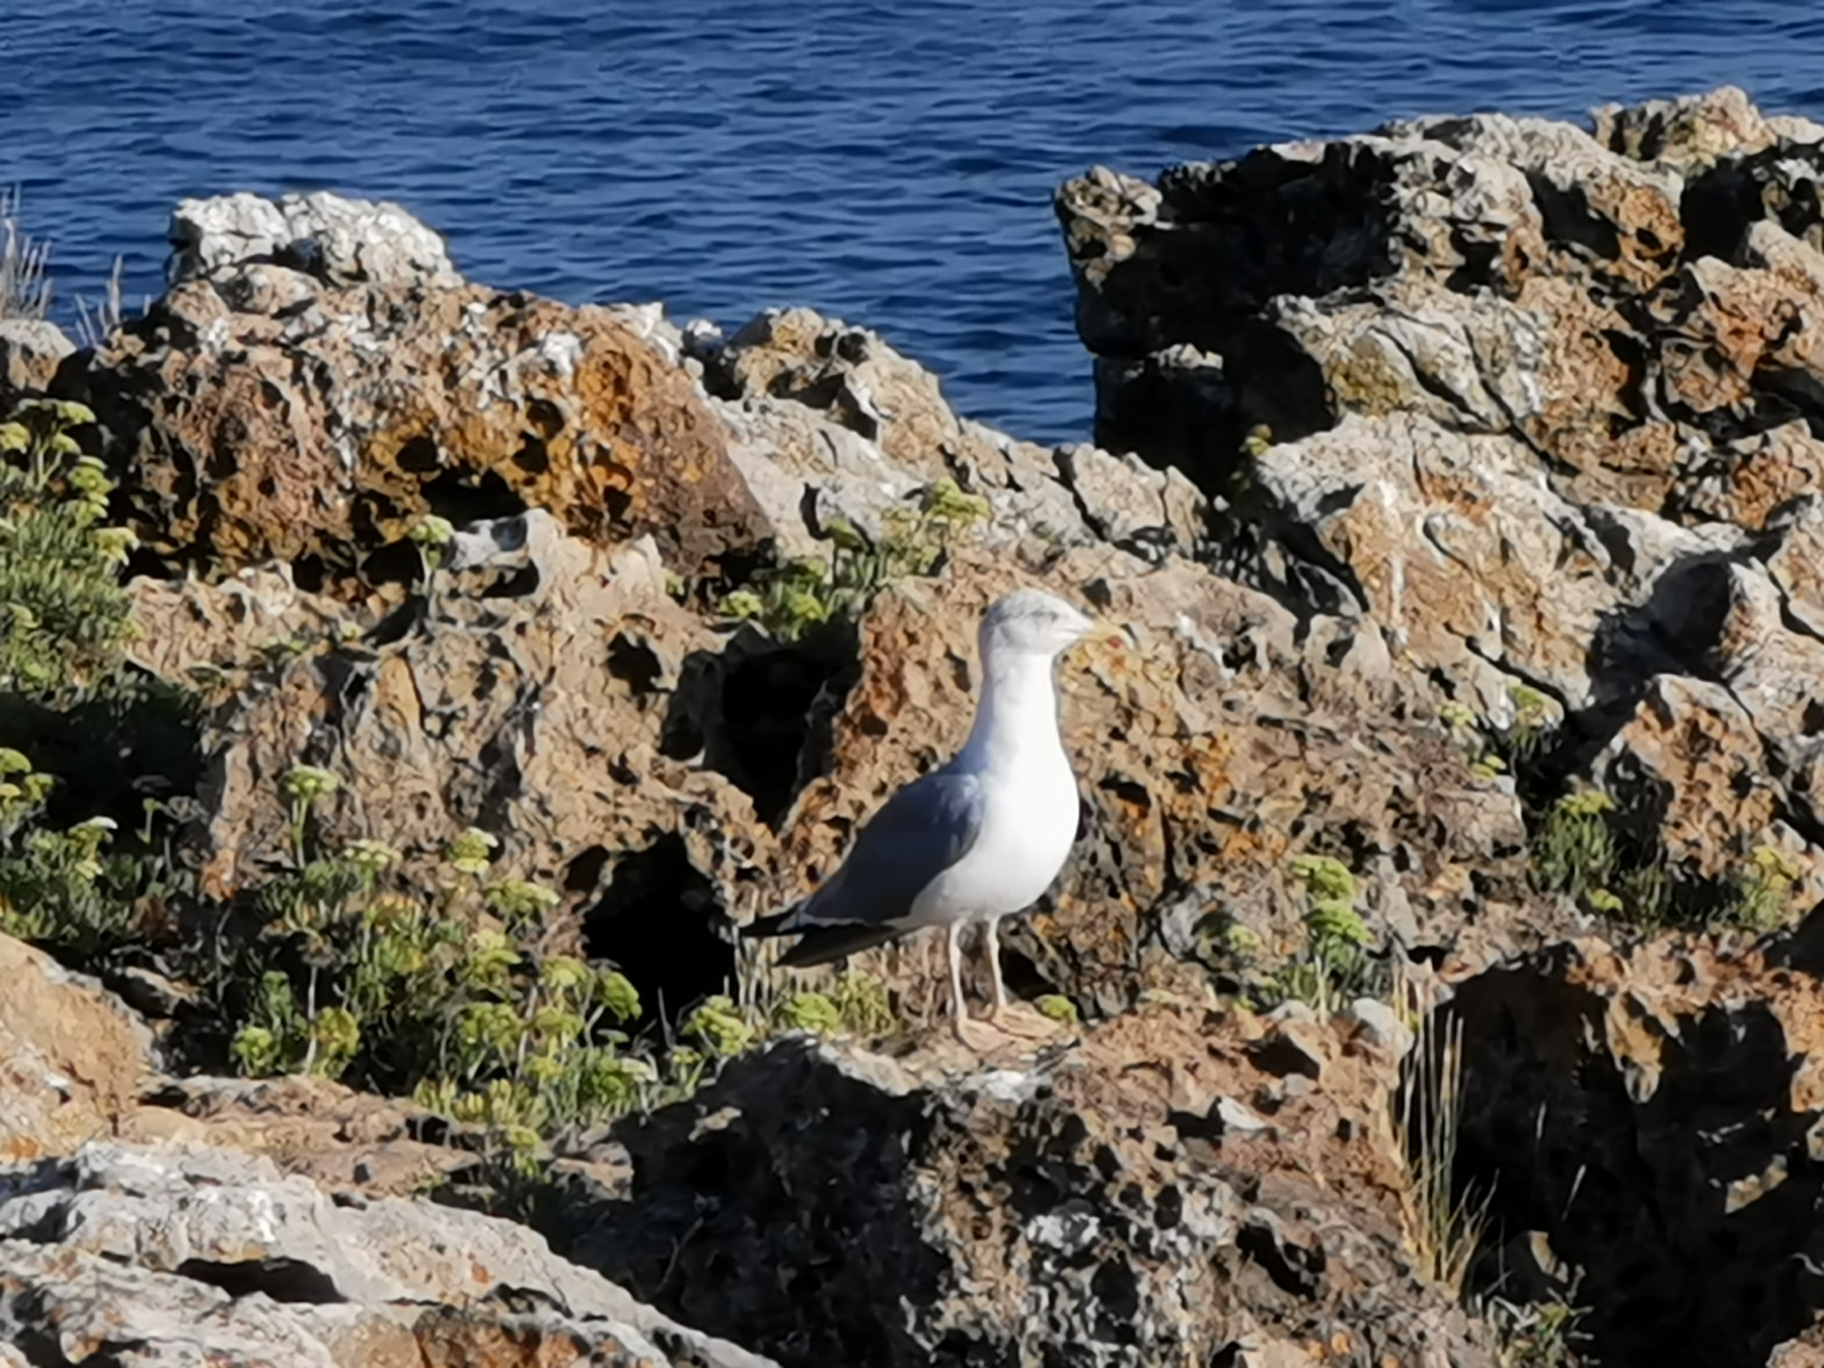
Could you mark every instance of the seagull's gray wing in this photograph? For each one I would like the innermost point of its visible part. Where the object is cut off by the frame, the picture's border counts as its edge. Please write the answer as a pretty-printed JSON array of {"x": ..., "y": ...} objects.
[{"x": 923, "y": 830}]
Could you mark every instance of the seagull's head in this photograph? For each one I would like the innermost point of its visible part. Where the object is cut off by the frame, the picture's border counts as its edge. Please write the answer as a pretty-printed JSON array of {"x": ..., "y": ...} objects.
[{"x": 1031, "y": 622}]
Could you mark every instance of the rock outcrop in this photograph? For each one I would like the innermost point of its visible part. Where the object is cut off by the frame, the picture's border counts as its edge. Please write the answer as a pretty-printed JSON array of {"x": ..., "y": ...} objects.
[
  {"x": 1657, "y": 1114},
  {"x": 318, "y": 379},
  {"x": 31, "y": 349},
  {"x": 73, "y": 1059},
  {"x": 1533, "y": 402},
  {"x": 555, "y": 692},
  {"x": 1170, "y": 1190}
]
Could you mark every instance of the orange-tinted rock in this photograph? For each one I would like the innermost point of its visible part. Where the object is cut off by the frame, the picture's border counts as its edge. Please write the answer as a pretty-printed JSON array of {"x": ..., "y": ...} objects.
[
  {"x": 72, "y": 1059},
  {"x": 259, "y": 413}
]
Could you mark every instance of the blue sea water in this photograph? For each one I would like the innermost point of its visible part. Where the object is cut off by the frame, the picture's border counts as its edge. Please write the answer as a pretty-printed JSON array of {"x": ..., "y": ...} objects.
[{"x": 891, "y": 164}]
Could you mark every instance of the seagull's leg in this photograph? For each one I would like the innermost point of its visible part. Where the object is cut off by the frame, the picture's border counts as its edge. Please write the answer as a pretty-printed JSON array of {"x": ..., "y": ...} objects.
[
  {"x": 991, "y": 937},
  {"x": 1024, "y": 1022},
  {"x": 959, "y": 1009}
]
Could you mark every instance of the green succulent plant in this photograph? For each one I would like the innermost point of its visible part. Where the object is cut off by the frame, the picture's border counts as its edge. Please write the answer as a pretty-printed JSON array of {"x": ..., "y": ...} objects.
[{"x": 64, "y": 617}]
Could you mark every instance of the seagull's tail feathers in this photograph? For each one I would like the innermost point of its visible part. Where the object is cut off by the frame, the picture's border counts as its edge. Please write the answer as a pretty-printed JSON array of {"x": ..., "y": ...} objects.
[
  {"x": 779, "y": 924},
  {"x": 821, "y": 944}
]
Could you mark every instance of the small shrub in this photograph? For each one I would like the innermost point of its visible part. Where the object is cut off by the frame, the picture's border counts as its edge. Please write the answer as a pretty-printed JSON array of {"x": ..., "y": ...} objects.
[
  {"x": 1763, "y": 891},
  {"x": 1545, "y": 1335},
  {"x": 791, "y": 599},
  {"x": 63, "y": 613},
  {"x": 417, "y": 993},
  {"x": 1333, "y": 968},
  {"x": 1536, "y": 719},
  {"x": 1574, "y": 850},
  {"x": 865, "y": 1004},
  {"x": 60, "y": 889},
  {"x": 813, "y": 1012}
]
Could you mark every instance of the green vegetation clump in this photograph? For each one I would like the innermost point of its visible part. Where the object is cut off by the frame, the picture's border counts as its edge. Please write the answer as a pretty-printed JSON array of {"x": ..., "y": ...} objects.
[
  {"x": 1762, "y": 899},
  {"x": 64, "y": 616},
  {"x": 1333, "y": 968},
  {"x": 452, "y": 997},
  {"x": 1574, "y": 850},
  {"x": 444, "y": 997},
  {"x": 794, "y": 597},
  {"x": 60, "y": 889},
  {"x": 1545, "y": 1335}
]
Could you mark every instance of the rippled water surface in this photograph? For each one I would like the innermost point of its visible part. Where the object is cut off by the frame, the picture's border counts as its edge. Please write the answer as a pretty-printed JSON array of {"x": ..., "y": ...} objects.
[{"x": 891, "y": 164}]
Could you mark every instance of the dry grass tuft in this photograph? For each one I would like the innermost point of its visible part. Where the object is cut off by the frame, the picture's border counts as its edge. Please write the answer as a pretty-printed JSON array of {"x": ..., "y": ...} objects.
[
  {"x": 25, "y": 286},
  {"x": 95, "y": 321},
  {"x": 1443, "y": 1226}
]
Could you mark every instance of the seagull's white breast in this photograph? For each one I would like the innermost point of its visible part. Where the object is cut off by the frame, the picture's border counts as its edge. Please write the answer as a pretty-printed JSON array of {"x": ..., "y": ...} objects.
[{"x": 1029, "y": 823}]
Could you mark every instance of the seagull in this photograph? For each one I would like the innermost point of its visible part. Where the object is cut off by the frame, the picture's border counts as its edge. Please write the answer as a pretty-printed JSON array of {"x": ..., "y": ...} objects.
[{"x": 975, "y": 841}]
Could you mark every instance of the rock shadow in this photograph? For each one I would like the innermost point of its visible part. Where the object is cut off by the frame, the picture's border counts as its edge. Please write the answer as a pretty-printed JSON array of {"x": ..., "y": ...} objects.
[
  {"x": 759, "y": 712},
  {"x": 778, "y": 1225},
  {"x": 659, "y": 921},
  {"x": 1681, "y": 1185}
]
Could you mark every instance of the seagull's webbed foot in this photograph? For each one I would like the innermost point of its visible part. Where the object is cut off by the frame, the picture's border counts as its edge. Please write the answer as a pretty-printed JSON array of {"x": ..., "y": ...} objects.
[
  {"x": 980, "y": 1036},
  {"x": 1028, "y": 1023}
]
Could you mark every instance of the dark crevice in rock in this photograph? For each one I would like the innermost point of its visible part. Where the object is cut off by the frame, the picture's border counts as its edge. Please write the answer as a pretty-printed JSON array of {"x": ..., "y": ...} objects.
[
  {"x": 43, "y": 1348},
  {"x": 657, "y": 922},
  {"x": 284, "y": 1280},
  {"x": 1567, "y": 217},
  {"x": 1780, "y": 183},
  {"x": 770, "y": 713},
  {"x": 1676, "y": 631},
  {"x": 633, "y": 661},
  {"x": 759, "y": 711},
  {"x": 464, "y": 497},
  {"x": 1293, "y": 1269}
]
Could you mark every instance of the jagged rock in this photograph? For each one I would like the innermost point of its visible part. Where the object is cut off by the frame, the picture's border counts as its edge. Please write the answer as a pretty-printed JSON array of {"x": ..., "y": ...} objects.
[
  {"x": 340, "y": 241},
  {"x": 1204, "y": 740},
  {"x": 72, "y": 1059},
  {"x": 1691, "y": 132},
  {"x": 261, "y": 412},
  {"x": 1126, "y": 502},
  {"x": 1533, "y": 404},
  {"x": 827, "y": 420},
  {"x": 1082, "y": 1208},
  {"x": 1092, "y": 1207},
  {"x": 173, "y": 1255},
  {"x": 541, "y": 711},
  {"x": 1693, "y": 746},
  {"x": 652, "y": 751},
  {"x": 75, "y": 1065},
  {"x": 1656, "y": 1113},
  {"x": 31, "y": 349},
  {"x": 342, "y": 1140}
]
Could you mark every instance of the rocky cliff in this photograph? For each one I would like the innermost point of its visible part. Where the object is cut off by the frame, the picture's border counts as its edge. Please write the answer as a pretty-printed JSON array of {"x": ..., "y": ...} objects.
[{"x": 1433, "y": 980}]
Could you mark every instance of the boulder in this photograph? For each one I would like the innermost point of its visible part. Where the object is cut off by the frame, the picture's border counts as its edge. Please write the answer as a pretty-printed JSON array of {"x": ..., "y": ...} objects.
[
  {"x": 318, "y": 379},
  {"x": 1147, "y": 1196},
  {"x": 31, "y": 349},
  {"x": 1656, "y": 1112},
  {"x": 73, "y": 1059},
  {"x": 338, "y": 240}
]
